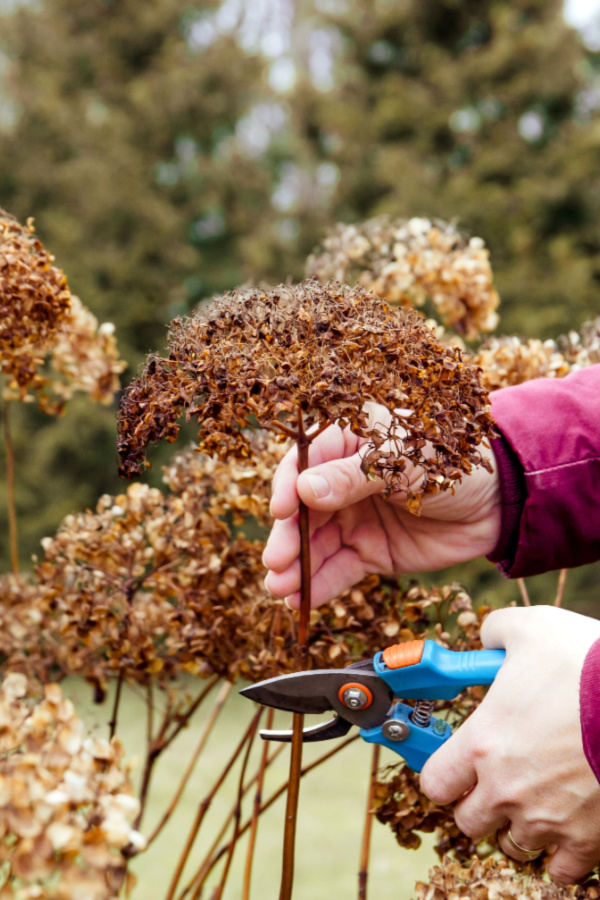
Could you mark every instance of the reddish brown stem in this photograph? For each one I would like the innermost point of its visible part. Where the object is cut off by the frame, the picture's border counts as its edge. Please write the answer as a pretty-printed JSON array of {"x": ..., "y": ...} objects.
[
  {"x": 291, "y": 812},
  {"x": 363, "y": 874},
  {"x": 524, "y": 592},
  {"x": 218, "y": 893},
  {"x": 214, "y": 852},
  {"x": 161, "y": 742},
  {"x": 184, "y": 718},
  {"x": 203, "y": 809},
  {"x": 560, "y": 590},
  {"x": 205, "y": 870},
  {"x": 214, "y": 713},
  {"x": 10, "y": 490},
  {"x": 112, "y": 725},
  {"x": 255, "y": 811},
  {"x": 285, "y": 430},
  {"x": 305, "y": 572}
]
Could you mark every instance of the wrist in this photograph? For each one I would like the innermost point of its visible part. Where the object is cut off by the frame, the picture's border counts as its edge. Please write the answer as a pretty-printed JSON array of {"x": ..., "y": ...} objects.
[{"x": 512, "y": 496}]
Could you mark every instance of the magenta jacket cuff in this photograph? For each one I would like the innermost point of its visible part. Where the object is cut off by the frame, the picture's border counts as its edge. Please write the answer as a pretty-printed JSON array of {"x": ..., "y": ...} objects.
[{"x": 548, "y": 460}]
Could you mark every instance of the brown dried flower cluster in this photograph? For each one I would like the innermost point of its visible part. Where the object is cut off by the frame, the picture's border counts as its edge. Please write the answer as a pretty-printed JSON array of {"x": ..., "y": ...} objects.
[
  {"x": 511, "y": 360},
  {"x": 230, "y": 486},
  {"x": 494, "y": 880},
  {"x": 306, "y": 356},
  {"x": 85, "y": 353},
  {"x": 66, "y": 803},
  {"x": 407, "y": 261},
  {"x": 34, "y": 303},
  {"x": 41, "y": 322},
  {"x": 152, "y": 585}
]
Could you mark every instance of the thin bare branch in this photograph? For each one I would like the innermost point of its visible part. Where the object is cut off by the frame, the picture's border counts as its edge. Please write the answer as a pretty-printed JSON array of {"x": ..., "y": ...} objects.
[
  {"x": 112, "y": 725},
  {"x": 219, "y": 702},
  {"x": 363, "y": 874},
  {"x": 10, "y": 490},
  {"x": 560, "y": 590},
  {"x": 255, "y": 811},
  {"x": 524, "y": 592},
  {"x": 202, "y": 810}
]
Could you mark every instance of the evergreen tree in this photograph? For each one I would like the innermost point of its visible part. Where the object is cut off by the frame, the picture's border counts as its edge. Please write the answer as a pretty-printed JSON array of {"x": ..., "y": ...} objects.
[{"x": 475, "y": 111}]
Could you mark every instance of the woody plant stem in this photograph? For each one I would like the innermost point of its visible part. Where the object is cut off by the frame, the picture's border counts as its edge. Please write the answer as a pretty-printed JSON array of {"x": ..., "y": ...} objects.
[
  {"x": 291, "y": 811},
  {"x": 10, "y": 489},
  {"x": 366, "y": 840}
]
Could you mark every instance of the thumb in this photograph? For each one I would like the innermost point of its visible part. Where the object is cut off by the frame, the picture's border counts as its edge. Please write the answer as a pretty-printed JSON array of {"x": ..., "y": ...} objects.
[{"x": 337, "y": 484}]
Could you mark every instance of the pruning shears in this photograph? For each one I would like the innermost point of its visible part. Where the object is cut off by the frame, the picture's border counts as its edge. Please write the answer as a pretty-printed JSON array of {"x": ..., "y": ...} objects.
[{"x": 366, "y": 694}]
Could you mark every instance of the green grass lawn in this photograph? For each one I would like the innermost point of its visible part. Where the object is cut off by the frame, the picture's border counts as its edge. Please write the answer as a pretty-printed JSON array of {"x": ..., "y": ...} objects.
[{"x": 330, "y": 822}]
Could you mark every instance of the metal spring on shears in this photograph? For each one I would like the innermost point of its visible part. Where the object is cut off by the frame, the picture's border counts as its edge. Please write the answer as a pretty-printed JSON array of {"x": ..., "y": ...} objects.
[{"x": 422, "y": 712}]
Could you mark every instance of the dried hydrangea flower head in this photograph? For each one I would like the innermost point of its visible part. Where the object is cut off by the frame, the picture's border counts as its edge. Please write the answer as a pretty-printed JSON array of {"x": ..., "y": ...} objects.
[
  {"x": 507, "y": 361},
  {"x": 497, "y": 880},
  {"x": 34, "y": 303},
  {"x": 85, "y": 354},
  {"x": 66, "y": 804},
  {"x": 42, "y": 322},
  {"x": 511, "y": 360},
  {"x": 407, "y": 261},
  {"x": 150, "y": 587},
  {"x": 310, "y": 355},
  {"x": 239, "y": 488}
]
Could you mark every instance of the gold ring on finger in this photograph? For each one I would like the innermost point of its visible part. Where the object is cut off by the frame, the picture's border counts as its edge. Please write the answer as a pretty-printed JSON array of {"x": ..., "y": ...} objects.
[{"x": 530, "y": 854}]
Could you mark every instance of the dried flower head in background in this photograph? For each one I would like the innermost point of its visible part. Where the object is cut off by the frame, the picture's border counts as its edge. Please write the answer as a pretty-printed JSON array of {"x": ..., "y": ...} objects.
[
  {"x": 239, "y": 488},
  {"x": 85, "y": 353},
  {"x": 510, "y": 360},
  {"x": 312, "y": 355},
  {"x": 41, "y": 323},
  {"x": 407, "y": 261},
  {"x": 66, "y": 804},
  {"x": 151, "y": 586},
  {"x": 34, "y": 302},
  {"x": 507, "y": 361},
  {"x": 497, "y": 880}
]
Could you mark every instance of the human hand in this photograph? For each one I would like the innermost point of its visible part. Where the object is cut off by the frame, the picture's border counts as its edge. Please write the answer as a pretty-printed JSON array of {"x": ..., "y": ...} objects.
[
  {"x": 355, "y": 531},
  {"x": 520, "y": 755}
]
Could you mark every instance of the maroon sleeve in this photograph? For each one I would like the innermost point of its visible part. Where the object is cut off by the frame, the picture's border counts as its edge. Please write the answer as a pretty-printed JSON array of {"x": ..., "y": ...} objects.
[
  {"x": 548, "y": 460},
  {"x": 589, "y": 707}
]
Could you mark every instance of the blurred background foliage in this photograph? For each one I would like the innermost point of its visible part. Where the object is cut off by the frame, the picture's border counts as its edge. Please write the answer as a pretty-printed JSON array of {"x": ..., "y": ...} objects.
[{"x": 171, "y": 150}]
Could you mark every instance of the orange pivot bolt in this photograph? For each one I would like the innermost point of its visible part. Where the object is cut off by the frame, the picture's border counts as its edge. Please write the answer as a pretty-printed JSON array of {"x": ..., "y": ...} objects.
[{"x": 355, "y": 696}]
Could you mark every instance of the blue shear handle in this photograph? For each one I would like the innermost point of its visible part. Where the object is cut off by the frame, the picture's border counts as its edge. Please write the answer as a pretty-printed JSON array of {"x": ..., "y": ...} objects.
[
  {"x": 420, "y": 742},
  {"x": 441, "y": 674}
]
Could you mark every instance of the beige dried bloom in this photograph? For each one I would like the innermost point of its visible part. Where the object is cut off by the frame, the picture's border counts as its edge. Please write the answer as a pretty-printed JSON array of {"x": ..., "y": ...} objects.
[
  {"x": 240, "y": 488},
  {"x": 406, "y": 261},
  {"x": 85, "y": 353},
  {"x": 43, "y": 325},
  {"x": 497, "y": 880},
  {"x": 506, "y": 361},
  {"x": 34, "y": 303},
  {"x": 510, "y": 360},
  {"x": 66, "y": 804}
]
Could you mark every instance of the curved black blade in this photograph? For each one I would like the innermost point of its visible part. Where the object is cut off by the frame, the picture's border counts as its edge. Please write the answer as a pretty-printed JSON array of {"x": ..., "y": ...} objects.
[
  {"x": 318, "y": 691},
  {"x": 325, "y": 731}
]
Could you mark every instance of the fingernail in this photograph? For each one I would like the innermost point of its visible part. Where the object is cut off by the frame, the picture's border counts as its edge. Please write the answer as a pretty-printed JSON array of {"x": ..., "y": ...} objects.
[{"x": 319, "y": 485}]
